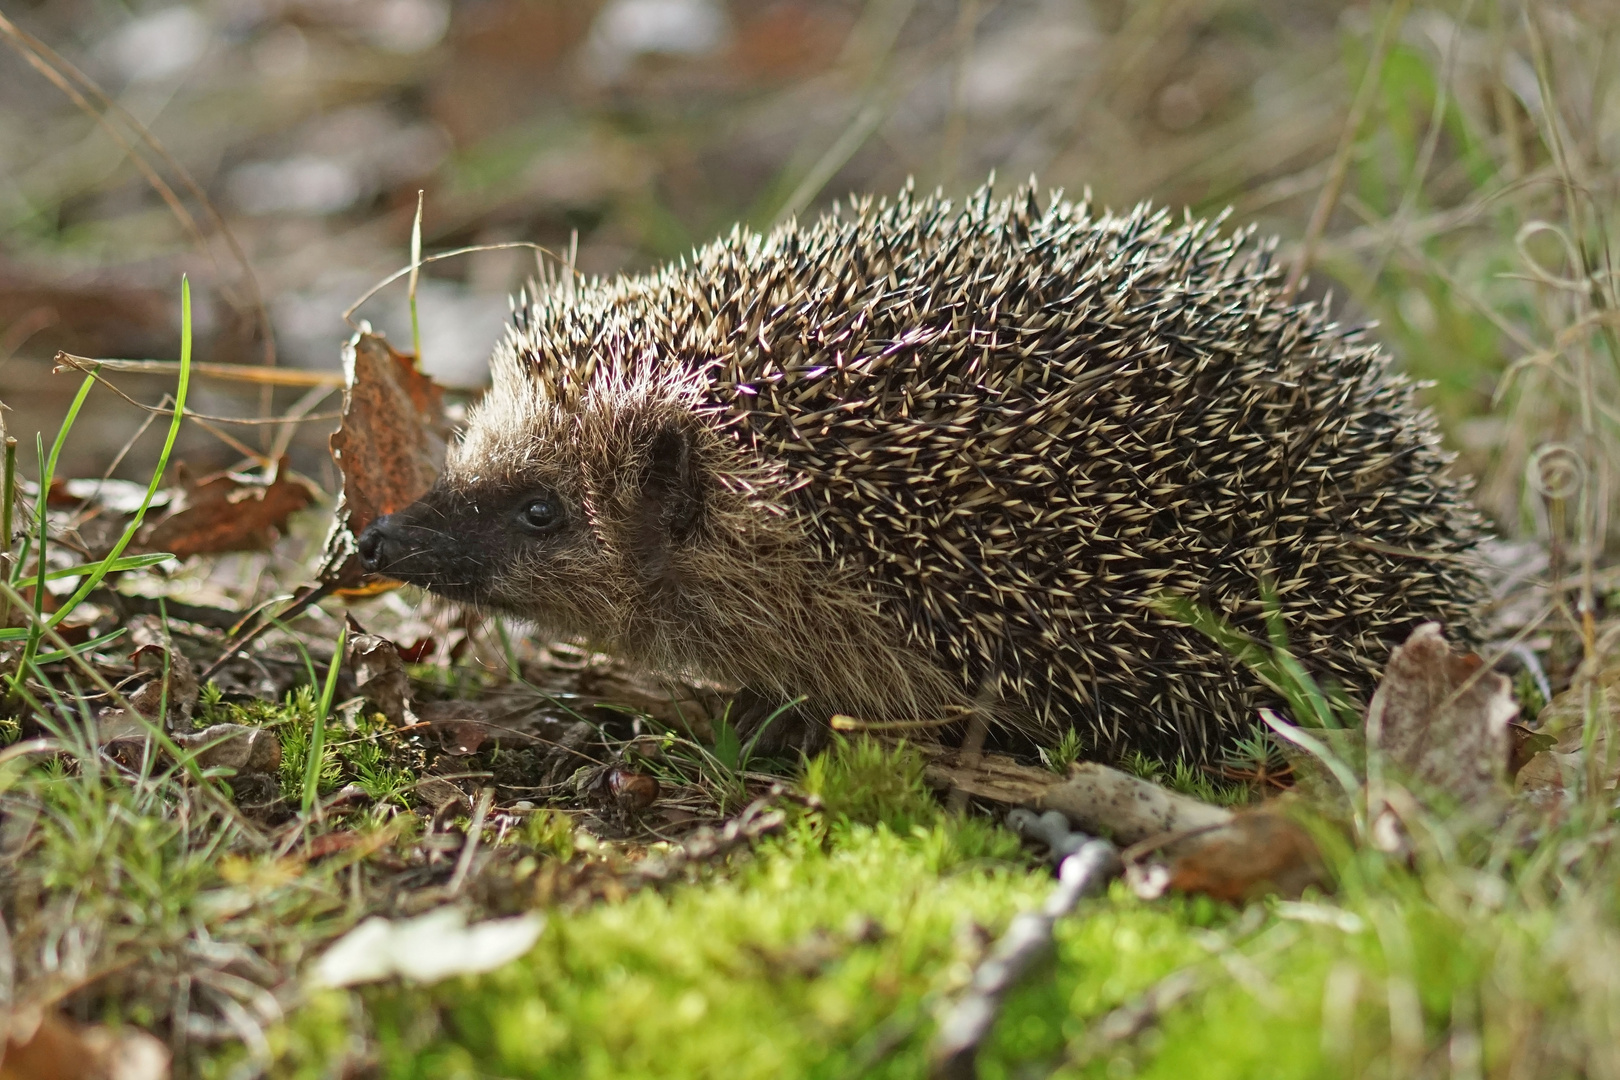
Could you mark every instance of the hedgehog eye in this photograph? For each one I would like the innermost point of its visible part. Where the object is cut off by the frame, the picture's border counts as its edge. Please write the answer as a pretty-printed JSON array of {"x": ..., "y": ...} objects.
[{"x": 540, "y": 514}]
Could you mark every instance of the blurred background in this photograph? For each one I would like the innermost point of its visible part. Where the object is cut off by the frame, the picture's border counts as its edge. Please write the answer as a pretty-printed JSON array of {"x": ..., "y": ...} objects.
[{"x": 1467, "y": 150}]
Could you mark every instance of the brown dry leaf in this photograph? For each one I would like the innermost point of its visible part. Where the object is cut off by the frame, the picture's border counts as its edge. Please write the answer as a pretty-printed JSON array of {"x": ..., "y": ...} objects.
[
  {"x": 388, "y": 448},
  {"x": 233, "y": 746},
  {"x": 440, "y": 793},
  {"x": 330, "y": 844},
  {"x": 1258, "y": 852},
  {"x": 1558, "y": 769},
  {"x": 228, "y": 512},
  {"x": 1440, "y": 719},
  {"x": 223, "y": 746},
  {"x": 175, "y": 686},
  {"x": 461, "y": 737},
  {"x": 379, "y": 676},
  {"x": 417, "y": 651},
  {"x": 44, "y": 1046},
  {"x": 1524, "y": 745}
]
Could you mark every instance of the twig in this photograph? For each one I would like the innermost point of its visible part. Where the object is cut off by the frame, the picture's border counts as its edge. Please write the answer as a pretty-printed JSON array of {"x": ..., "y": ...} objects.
[
  {"x": 1134, "y": 1017},
  {"x": 311, "y": 595},
  {"x": 757, "y": 819},
  {"x": 486, "y": 797},
  {"x": 1329, "y": 197},
  {"x": 269, "y": 376},
  {"x": 1026, "y": 943}
]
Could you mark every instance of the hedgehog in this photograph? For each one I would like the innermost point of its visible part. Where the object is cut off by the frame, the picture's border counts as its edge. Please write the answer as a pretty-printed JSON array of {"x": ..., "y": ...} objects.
[{"x": 917, "y": 462}]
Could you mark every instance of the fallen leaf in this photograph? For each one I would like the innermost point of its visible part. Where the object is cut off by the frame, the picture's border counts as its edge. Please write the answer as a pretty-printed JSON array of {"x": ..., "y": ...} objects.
[
  {"x": 440, "y": 793},
  {"x": 388, "y": 447},
  {"x": 425, "y": 949},
  {"x": 1595, "y": 686},
  {"x": 233, "y": 746},
  {"x": 1440, "y": 719},
  {"x": 379, "y": 676},
  {"x": 241, "y": 747},
  {"x": 1258, "y": 852},
  {"x": 417, "y": 651},
  {"x": 43, "y": 1046},
  {"x": 228, "y": 512},
  {"x": 330, "y": 844},
  {"x": 460, "y": 738},
  {"x": 1525, "y": 745},
  {"x": 175, "y": 685}
]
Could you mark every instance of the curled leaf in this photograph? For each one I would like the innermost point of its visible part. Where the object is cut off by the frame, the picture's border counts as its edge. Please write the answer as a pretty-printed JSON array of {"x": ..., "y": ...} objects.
[{"x": 388, "y": 447}]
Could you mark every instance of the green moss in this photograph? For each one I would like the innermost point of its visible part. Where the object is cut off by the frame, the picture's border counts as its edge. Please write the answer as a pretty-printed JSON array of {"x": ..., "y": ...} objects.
[
  {"x": 550, "y": 832},
  {"x": 862, "y": 781},
  {"x": 785, "y": 968}
]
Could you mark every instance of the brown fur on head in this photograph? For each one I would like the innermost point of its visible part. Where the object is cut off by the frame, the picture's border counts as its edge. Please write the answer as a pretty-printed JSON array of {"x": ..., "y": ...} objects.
[{"x": 617, "y": 513}]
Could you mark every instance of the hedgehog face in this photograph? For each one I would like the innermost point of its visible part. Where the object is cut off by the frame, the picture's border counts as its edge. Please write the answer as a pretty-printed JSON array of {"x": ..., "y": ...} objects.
[
  {"x": 454, "y": 539},
  {"x": 573, "y": 522}
]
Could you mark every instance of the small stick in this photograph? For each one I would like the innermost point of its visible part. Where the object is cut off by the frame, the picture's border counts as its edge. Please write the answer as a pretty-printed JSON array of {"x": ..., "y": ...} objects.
[
  {"x": 294, "y": 608},
  {"x": 237, "y": 372},
  {"x": 475, "y": 830},
  {"x": 1028, "y": 940}
]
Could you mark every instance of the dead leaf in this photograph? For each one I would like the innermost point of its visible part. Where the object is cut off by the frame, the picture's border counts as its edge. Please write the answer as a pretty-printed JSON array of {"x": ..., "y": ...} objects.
[
  {"x": 43, "y": 1046},
  {"x": 330, "y": 844},
  {"x": 228, "y": 512},
  {"x": 388, "y": 448},
  {"x": 241, "y": 747},
  {"x": 1525, "y": 744},
  {"x": 1557, "y": 770},
  {"x": 460, "y": 738},
  {"x": 440, "y": 793},
  {"x": 175, "y": 685},
  {"x": 233, "y": 746},
  {"x": 379, "y": 676},
  {"x": 1440, "y": 719},
  {"x": 1257, "y": 852},
  {"x": 417, "y": 651}
]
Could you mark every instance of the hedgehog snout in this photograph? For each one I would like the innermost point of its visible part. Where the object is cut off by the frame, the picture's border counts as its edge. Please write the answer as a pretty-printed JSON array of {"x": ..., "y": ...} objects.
[
  {"x": 404, "y": 547},
  {"x": 380, "y": 545}
]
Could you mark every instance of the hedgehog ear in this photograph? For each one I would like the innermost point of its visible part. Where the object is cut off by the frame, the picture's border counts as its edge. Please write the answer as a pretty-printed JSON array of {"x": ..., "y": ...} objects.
[{"x": 671, "y": 484}]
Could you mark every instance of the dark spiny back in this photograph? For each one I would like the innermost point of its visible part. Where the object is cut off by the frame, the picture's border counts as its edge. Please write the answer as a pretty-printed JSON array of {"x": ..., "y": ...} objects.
[{"x": 1018, "y": 427}]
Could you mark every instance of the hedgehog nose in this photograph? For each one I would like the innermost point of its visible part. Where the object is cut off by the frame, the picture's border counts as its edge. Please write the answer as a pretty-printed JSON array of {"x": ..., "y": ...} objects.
[{"x": 379, "y": 544}]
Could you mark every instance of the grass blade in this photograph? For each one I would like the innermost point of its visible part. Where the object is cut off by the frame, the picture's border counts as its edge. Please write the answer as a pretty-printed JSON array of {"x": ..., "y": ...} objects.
[
  {"x": 79, "y": 650},
  {"x": 317, "y": 739},
  {"x": 128, "y": 562},
  {"x": 106, "y": 565}
]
